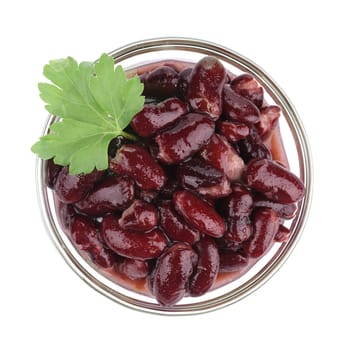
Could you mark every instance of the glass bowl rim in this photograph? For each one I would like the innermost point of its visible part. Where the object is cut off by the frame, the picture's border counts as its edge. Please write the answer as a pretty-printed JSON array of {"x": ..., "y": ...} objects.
[{"x": 306, "y": 174}]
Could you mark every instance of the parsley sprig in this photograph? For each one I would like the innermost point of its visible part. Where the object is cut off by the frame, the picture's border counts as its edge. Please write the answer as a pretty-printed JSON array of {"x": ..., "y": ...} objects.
[{"x": 95, "y": 102}]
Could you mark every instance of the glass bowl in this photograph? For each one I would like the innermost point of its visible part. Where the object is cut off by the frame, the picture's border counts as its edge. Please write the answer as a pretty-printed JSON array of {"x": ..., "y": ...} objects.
[{"x": 132, "y": 57}]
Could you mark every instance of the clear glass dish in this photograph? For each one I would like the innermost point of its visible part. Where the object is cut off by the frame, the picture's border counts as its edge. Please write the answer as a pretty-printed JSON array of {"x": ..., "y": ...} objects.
[{"x": 131, "y": 57}]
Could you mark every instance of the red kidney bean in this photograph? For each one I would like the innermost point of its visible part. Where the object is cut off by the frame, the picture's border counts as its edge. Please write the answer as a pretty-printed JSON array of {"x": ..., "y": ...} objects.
[
  {"x": 155, "y": 117},
  {"x": 269, "y": 116},
  {"x": 205, "y": 88},
  {"x": 238, "y": 108},
  {"x": 284, "y": 211},
  {"x": 147, "y": 195},
  {"x": 72, "y": 188},
  {"x": 171, "y": 274},
  {"x": 136, "y": 162},
  {"x": 85, "y": 235},
  {"x": 220, "y": 154},
  {"x": 265, "y": 226},
  {"x": 232, "y": 131},
  {"x": 52, "y": 171},
  {"x": 161, "y": 82},
  {"x": 132, "y": 244},
  {"x": 274, "y": 181},
  {"x": 217, "y": 191},
  {"x": 252, "y": 147},
  {"x": 197, "y": 173},
  {"x": 240, "y": 229},
  {"x": 186, "y": 138},
  {"x": 239, "y": 202},
  {"x": 231, "y": 261},
  {"x": 140, "y": 216},
  {"x": 206, "y": 270},
  {"x": 199, "y": 214},
  {"x": 246, "y": 86},
  {"x": 66, "y": 214},
  {"x": 174, "y": 227},
  {"x": 282, "y": 235},
  {"x": 183, "y": 82},
  {"x": 112, "y": 194},
  {"x": 133, "y": 269}
]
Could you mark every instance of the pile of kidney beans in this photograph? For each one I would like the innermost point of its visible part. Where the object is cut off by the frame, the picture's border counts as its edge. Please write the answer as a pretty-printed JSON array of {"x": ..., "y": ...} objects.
[{"x": 196, "y": 196}]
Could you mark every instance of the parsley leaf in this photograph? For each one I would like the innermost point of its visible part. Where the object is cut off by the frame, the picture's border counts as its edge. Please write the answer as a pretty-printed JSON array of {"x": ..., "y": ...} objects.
[{"x": 95, "y": 103}]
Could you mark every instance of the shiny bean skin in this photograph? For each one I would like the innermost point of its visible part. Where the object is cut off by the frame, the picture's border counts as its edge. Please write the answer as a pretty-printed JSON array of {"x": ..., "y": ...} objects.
[
  {"x": 269, "y": 116},
  {"x": 220, "y": 154},
  {"x": 132, "y": 244},
  {"x": 140, "y": 216},
  {"x": 246, "y": 86},
  {"x": 174, "y": 227},
  {"x": 85, "y": 235},
  {"x": 238, "y": 108},
  {"x": 231, "y": 261},
  {"x": 136, "y": 162},
  {"x": 156, "y": 117},
  {"x": 113, "y": 194},
  {"x": 233, "y": 131},
  {"x": 172, "y": 272},
  {"x": 185, "y": 139},
  {"x": 133, "y": 269},
  {"x": 274, "y": 181},
  {"x": 160, "y": 82},
  {"x": 207, "y": 267},
  {"x": 265, "y": 226},
  {"x": 205, "y": 88},
  {"x": 72, "y": 188},
  {"x": 199, "y": 214}
]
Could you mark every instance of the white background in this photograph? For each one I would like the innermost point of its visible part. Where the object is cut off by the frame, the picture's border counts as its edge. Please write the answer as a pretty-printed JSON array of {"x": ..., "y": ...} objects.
[{"x": 302, "y": 44}]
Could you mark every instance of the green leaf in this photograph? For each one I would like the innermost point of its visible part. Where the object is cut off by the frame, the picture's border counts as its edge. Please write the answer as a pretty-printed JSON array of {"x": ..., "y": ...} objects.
[{"x": 95, "y": 102}]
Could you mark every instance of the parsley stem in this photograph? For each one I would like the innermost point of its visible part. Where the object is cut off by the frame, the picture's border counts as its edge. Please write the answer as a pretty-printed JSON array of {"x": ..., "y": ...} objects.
[{"x": 129, "y": 136}]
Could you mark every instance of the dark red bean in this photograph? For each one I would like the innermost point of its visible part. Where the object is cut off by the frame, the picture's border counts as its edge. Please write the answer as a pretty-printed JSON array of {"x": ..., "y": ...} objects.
[
  {"x": 265, "y": 226},
  {"x": 246, "y": 86},
  {"x": 132, "y": 244},
  {"x": 274, "y": 181},
  {"x": 283, "y": 234},
  {"x": 52, "y": 173},
  {"x": 232, "y": 131},
  {"x": 161, "y": 82},
  {"x": 269, "y": 116},
  {"x": 112, "y": 194},
  {"x": 174, "y": 227},
  {"x": 171, "y": 274},
  {"x": 140, "y": 216},
  {"x": 206, "y": 270},
  {"x": 66, "y": 214},
  {"x": 183, "y": 82},
  {"x": 220, "y": 154},
  {"x": 240, "y": 229},
  {"x": 156, "y": 117},
  {"x": 238, "y": 108},
  {"x": 147, "y": 195},
  {"x": 85, "y": 235},
  {"x": 197, "y": 173},
  {"x": 186, "y": 138},
  {"x": 136, "y": 162},
  {"x": 231, "y": 261},
  {"x": 116, "y": 144},
  {"x": 199, "y": 214},
  {"x": 216, "y": 191},
  {"x": 285, "y": 211},
  {"x": 72, "y": 188},
  {"x": 238, "y": 203},
  {"x": 133, "y": 269},
  {"x": 252, "y": 147},
  {"x": 205, "y": 88}
]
